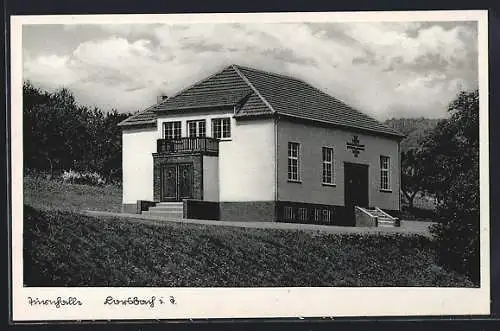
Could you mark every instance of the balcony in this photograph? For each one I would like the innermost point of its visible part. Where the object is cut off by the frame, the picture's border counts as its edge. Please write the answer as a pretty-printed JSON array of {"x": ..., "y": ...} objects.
[{"x": 185, "y": 145}]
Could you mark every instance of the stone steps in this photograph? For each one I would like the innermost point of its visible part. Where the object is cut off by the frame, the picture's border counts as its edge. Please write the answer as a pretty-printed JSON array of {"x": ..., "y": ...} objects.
[
  {"x": 386, "y": 222},
  {"x": 177, "y": 204},
  {"x": 166, "y": 209},
  {"x": 383, "y": 219}
]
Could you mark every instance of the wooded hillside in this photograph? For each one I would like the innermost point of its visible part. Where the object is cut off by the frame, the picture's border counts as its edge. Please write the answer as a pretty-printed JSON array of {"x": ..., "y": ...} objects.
[
  {"x": 61, "y": 135},
  {"x": 414, "y": 128}
]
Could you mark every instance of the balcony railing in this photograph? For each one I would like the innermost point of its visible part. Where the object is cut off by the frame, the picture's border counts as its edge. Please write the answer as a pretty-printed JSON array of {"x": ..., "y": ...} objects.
[{"x": 188, "y": 145}]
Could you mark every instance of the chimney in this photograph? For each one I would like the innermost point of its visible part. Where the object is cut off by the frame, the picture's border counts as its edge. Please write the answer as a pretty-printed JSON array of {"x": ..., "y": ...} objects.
[{"x": 161, "y": 98}]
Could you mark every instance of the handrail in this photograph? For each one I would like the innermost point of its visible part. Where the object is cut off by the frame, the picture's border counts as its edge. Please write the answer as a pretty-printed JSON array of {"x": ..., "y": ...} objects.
[
  {"x": 385, "y": 214},
  {"x": 187, "y": 145},
  {"x": 365, "y": 211}
]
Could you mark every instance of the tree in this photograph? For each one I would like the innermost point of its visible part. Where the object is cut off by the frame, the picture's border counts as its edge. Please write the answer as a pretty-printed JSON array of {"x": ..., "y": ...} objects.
[
  {"x": 451, "y": 156},
  {"x": 60, "y": 135},
  {"x": 414, "y": 129},
  {"x": 411, "y": 175}
]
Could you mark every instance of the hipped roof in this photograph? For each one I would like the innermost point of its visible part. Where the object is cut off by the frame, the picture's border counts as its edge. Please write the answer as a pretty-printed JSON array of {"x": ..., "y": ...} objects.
[{"x": 252, "y": 92}]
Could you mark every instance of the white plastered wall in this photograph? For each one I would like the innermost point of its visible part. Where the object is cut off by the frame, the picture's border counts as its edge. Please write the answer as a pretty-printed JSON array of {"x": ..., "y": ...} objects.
[
  {"x": 137, "y": 148},
  {"x": 210, "y": 178},
  {"x": 247, "y": 162}
]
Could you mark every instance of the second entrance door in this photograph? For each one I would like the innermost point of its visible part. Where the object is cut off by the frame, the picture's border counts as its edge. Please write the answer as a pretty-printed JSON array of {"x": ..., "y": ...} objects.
[
  {"x": 355, "y": 187},
  {"x": 177, "y": 182}
]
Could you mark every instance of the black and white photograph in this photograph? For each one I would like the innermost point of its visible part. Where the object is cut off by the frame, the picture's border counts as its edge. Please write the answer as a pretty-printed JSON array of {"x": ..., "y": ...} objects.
[{"x": 250, "y": 165}]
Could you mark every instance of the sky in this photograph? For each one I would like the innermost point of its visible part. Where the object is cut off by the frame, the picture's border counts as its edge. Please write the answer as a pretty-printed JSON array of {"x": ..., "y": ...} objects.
[{"x": 384, "y": 69}]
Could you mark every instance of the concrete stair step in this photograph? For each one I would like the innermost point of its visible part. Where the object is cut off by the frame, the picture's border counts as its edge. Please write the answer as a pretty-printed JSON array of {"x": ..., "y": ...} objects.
[
  {"x": 166, "y": 208},
  {"x": 375, "y": 212},
  {"x": 386, "y": 223},
  {"x": 169, "y": 204},
  {"x": 163, "y": 213}
]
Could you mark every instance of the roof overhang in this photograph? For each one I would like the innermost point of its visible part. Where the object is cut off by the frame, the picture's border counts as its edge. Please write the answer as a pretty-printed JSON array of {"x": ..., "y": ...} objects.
[
  {"x": 298, "y": 119},
  {"x": 398, "y": 136},
  {"x": 181, "y": 110},
  {"x": 127, "y": 126}
]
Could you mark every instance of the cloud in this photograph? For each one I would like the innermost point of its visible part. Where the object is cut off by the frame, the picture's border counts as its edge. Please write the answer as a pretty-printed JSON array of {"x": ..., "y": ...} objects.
[
  {"x": 51, "y": 69},
  {"x": 384, "y": 69}
]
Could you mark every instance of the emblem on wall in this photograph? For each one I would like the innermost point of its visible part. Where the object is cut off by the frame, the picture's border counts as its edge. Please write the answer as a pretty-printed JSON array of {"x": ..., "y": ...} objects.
[{"x": 355, "y": 146}]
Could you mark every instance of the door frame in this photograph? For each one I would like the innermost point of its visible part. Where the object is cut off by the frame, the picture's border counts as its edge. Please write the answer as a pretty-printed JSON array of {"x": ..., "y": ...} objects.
[
  {"x": 359, "y": 165},
  {"x": 177, "y": 180}
]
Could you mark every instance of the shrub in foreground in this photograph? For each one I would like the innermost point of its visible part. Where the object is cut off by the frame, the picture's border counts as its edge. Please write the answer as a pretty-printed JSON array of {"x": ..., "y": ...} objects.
[
  {"x": 451, "y": 153},
  {"x": 68, "y": 249},
  {"x": 86, "y": 177},
  {"x": 54, "y": 194},
  {"x": 457, "y": 233}
]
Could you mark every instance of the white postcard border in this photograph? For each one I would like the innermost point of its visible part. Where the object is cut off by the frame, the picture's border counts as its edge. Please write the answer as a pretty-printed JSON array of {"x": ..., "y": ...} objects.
[{"x": 247, "y": 302}]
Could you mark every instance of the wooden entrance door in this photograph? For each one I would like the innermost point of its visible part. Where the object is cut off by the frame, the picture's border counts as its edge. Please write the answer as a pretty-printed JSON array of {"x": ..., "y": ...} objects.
[
  {"x": 177, "y": 182},
  {"x": 355, "y": 187}
]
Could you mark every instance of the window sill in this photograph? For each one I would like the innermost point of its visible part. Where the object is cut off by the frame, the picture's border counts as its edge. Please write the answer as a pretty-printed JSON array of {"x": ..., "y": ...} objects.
[
  {"x": 385, "y": 191},
  {"x": 224, "y": 139},
  {"x": 296, "y": 181},
  {"x": 329, "y": 184}
]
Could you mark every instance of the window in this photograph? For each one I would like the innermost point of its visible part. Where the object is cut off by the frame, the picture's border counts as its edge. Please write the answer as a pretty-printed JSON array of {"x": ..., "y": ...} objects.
[
  {"x": 196, "y": 128},
  {"x": 317, "y": 214},
  {"x": 328, "y": 175},
  {"x": 172, "y": 130},
  {"x": 288, "y": 211},
  {"x": 221, "y": 128},
  {"x": 293, "y": 161},
  {"x": 303, "y": 214},
  {"x": 385, "y": 178},
  {"x": 326, "y": 215}
]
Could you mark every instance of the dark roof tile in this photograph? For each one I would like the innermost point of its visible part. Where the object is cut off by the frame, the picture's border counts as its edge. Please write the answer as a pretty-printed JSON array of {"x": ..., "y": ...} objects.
[
  {"x": 293, "y": 97},
  {"x": 144, "y": 118},
  {"x": 256, "y": 92},
  {"x": 225, "y": 88}
]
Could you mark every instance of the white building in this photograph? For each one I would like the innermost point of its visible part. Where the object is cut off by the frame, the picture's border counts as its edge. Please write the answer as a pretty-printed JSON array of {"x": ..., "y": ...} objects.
[{"x": 250, "y": 145}]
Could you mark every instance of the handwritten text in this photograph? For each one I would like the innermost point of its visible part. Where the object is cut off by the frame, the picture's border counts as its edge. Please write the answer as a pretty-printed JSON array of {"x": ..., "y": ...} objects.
[{"x": 57, "y": 302}]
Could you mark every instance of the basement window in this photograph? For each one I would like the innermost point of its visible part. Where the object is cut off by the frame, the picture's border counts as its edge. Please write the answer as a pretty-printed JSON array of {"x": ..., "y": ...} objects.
[
  {"x": 303, "y": 214},
  {"x": 317, "y": 214},
  {"x": 327, "y": 215},
  {"x": 288, "y": 213}
]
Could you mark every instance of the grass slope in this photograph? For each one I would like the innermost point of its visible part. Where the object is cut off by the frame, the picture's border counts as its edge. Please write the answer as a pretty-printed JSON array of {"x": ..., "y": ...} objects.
[
  {"x": 42, "y": 193},
  {"x": 67, "y": 249}
]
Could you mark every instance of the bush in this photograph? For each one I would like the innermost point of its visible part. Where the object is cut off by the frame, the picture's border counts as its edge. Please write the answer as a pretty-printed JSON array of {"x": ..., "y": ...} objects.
[
  {"x": 457, "y": 233},
  {"x": 89, "y": 178},
  {"x": 43, "y": 193},
  {"x": 417, "y": 214},
  {"x": 457, "y": 238},
  {"x": 451, "y": 153},
  {"x": 70, "y": 249}
]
